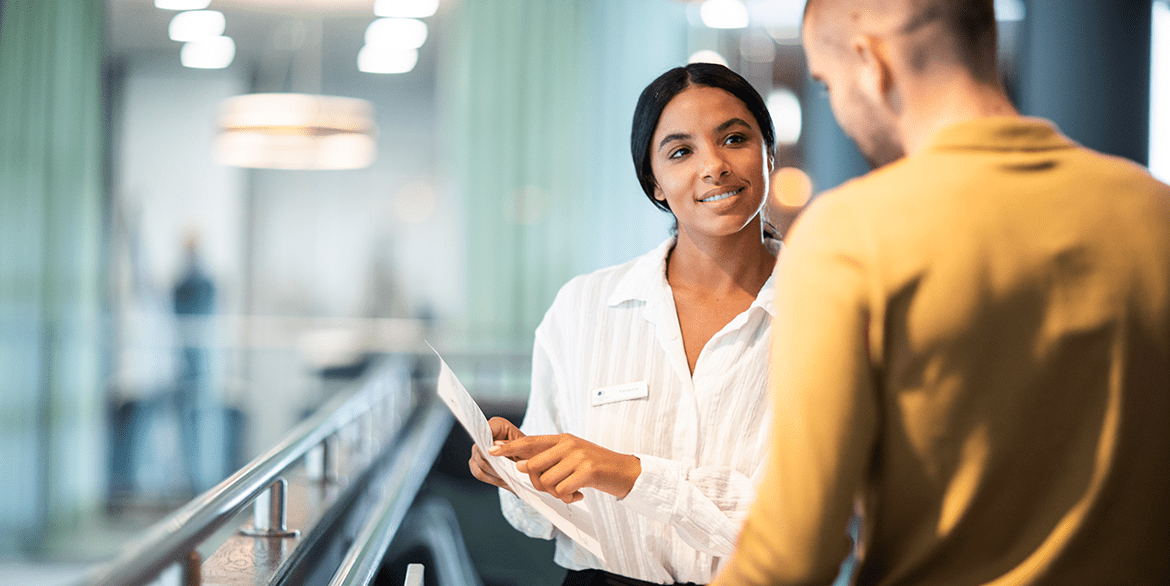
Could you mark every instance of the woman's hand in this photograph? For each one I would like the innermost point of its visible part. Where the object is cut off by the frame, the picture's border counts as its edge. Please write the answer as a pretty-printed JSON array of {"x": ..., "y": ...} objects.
[
  {"x": 502, "y": 430},
  {"x": 562, "y": 465}
]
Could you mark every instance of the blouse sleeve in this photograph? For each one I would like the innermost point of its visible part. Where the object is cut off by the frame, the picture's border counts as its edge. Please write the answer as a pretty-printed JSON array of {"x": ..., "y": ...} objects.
[
  {"x": 706, "y": 506},
  {"x": 540, "y": 419}
]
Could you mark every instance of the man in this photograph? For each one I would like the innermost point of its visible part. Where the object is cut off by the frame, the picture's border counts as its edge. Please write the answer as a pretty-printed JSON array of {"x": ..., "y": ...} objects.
[{"x": 973, "y": 341}]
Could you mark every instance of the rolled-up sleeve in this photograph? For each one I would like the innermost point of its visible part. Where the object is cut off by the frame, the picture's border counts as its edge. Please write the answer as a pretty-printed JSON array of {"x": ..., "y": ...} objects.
[
  {"x": 540, "y": 418},
  {"x": 705, "y": 506}
]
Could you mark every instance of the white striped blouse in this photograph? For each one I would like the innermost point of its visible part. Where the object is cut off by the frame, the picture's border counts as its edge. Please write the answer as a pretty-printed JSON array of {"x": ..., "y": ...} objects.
[{"x": 701, "y": 439}]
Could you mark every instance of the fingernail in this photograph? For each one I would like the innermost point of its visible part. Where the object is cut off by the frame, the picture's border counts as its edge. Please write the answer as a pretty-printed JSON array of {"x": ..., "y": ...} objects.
[{"x": 494, "y": 449}]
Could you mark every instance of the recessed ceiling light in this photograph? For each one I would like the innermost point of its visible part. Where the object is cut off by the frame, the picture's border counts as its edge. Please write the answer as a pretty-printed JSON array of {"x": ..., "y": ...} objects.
[
  {"x": 406, "y": 8},
  {"x": 724, "y": 14},
  {"x": 182, "y": 4},
  {"x": 375, "y": 59},
  {"x": 707, "y": 56},
  {"x": 214, "y": 53},
  {"x": 401, "y": 33},
  {"x": 196, "y": 25}
]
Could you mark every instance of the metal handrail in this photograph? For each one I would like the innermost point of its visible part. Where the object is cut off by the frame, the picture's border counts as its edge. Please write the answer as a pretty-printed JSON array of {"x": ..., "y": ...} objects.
[
  {"x": 172, "y": 539},
  {"x": 398, "y": 486}
]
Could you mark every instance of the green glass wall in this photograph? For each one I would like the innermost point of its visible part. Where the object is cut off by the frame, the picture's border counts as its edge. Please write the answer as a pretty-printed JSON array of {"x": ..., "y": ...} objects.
[{"x": 50, "y": 240}]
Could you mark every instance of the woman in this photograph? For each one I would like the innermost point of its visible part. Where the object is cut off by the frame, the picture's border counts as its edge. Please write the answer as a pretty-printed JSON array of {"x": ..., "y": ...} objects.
[{"x": 649, "y": 379}]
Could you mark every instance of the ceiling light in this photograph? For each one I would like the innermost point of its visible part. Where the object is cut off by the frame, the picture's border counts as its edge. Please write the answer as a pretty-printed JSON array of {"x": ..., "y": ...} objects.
[
  {"x": 213, "y": 53},
  {"x": 196, "y": 25},
  {"x": 1009, "y": 10},
  {"x": 296, "y": 131},
  {"x": 406, "y": 8},
  {"x": 398, "y": 33},
  {"x": 784, "y": 107},
  {"x": 724, "y": 14},
  {"x": 378, "y": 59},
  {"x": 182, "y": 4},
  {"x": 707, "y": 56}
]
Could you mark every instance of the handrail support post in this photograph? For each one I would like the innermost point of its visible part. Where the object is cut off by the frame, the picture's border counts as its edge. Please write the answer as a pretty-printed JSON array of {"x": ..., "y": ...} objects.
[{"x": 268, "y": 512}]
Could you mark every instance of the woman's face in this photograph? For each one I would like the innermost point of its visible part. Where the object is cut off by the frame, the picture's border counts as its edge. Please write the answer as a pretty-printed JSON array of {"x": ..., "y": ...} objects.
[{"x": 710, "y": 162}]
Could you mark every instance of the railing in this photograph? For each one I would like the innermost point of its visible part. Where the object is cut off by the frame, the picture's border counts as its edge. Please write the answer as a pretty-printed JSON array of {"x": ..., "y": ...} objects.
[
  {"x": 390, "y": 514},
  {"x": 366, "y": 418}
]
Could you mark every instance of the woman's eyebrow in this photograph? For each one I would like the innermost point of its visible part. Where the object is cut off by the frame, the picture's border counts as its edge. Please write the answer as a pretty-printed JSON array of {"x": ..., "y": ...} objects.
[
  {"x": 673, "y": 137},
  {"x": 733, "y": 122}
]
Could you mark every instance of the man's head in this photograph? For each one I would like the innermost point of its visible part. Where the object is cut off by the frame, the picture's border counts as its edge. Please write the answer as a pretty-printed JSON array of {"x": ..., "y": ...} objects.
[{"x": 877, "y": 58}]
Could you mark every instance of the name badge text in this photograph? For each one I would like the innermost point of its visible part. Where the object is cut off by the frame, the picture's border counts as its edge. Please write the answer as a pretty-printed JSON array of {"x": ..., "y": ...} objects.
[{"x": 623, "y": 392}]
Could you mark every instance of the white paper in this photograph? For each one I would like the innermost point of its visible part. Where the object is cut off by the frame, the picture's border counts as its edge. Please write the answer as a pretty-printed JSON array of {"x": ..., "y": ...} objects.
[{"x": 574, "y": 520}]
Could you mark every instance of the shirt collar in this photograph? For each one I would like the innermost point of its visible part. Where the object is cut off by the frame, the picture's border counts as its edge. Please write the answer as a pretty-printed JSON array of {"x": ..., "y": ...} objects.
[
  {"x": 1001, "y": 133},
  {"x": 646, "y": 279}
]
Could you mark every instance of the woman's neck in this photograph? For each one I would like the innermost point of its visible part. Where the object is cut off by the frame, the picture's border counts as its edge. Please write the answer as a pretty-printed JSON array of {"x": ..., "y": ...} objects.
[{"x": 716, "y": 265}]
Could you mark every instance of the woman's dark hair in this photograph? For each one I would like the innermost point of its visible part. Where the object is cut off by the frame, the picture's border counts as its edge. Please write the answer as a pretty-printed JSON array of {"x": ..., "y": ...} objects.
[{"x": 670, "y": 84}]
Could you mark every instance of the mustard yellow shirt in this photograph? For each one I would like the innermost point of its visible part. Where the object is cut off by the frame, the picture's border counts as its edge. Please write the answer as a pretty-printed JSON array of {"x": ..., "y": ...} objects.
[{"x": 976, "y": 341}]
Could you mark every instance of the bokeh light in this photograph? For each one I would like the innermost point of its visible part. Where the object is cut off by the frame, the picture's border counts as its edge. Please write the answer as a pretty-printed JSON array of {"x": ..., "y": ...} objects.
[{"x": 791, "y": 187}]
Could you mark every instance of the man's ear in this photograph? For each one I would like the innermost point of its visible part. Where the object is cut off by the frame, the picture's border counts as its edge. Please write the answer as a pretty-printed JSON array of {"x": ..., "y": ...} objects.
[
  {"x": 771, "y": 162},
  {"x": 876, "y": 77}
]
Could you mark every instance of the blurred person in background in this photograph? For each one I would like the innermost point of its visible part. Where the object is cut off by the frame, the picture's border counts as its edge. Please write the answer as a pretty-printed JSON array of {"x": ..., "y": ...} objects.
[
  {"x": 973, "y": 340},
  {"x": 649, "y": 378},
  {"x": 194, "y": 300}
]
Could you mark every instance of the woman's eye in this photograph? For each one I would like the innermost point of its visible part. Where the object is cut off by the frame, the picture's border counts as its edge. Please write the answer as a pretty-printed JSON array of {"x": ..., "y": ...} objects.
[
  {"x": 680, "y": 152},
  {"x": 734, "y": 139}
]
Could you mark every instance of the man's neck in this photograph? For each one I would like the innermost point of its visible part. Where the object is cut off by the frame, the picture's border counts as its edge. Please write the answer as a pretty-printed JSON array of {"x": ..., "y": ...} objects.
[{"x": 946, "y": 102}]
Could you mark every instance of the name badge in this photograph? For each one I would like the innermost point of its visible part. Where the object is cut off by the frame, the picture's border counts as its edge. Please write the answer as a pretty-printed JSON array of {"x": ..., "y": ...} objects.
[{"x": 625, "y": 392}]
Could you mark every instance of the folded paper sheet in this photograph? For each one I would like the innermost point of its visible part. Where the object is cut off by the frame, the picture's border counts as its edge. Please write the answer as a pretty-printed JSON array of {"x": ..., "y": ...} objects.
[{"x": 574, "y": 520}]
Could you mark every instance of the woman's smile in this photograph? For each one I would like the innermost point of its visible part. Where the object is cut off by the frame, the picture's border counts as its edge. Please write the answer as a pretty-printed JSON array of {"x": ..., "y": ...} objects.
[
  {"x": 710, "y": 162},
  {"x": 721, "y": 196}
]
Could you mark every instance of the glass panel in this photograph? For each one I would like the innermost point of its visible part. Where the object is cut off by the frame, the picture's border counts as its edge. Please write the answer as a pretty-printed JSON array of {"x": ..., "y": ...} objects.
[{"x": 1160, "y": 91}]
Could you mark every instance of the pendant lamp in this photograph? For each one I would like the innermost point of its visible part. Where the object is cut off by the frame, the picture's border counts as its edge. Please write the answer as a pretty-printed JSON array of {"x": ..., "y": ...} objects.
[{"x": 296, "y": 131}]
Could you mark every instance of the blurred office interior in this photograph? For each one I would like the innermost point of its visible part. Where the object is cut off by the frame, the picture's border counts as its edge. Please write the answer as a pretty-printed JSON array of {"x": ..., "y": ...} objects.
[{"x": 176, "y": 293}]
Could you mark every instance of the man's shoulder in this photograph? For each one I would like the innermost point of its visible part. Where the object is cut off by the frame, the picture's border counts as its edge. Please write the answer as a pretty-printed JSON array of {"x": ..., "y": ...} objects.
[
  {"x": 857, "y": 196},
  {"x": 1122, "y": 168}
]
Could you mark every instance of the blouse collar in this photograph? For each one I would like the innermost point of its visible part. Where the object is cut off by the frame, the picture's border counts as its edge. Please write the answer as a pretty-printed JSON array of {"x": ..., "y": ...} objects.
[{"x": 646, "y": 279}]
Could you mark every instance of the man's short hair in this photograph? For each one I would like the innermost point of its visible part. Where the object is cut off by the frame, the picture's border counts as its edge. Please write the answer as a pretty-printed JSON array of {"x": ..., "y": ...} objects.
[{"x": 966, "y": 27}]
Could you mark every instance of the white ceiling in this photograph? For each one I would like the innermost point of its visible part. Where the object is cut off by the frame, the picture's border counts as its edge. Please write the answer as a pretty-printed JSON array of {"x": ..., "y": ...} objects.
[{"x": 136, "y": 26}]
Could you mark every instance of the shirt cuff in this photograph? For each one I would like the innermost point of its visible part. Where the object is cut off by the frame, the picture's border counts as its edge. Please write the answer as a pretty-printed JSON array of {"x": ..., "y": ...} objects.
[
  {"x": 523, "y": 517},
  {"x": 655, "y": 492}
]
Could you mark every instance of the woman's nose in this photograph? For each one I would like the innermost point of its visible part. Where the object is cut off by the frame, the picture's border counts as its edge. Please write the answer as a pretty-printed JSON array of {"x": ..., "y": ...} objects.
[{"x": 715, "y": 166}]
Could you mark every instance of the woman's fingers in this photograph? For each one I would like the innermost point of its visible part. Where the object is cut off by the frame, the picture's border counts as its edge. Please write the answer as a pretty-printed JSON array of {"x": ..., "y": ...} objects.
[
  {"x": 565, "y": 468},
  {"x": 568, "y": 489},
  {"x": 552, "y": 460},
  {"x": 502, "y": 429},
  {"x": 482, "y": 470},
  {"x": 523, "y": 448}
]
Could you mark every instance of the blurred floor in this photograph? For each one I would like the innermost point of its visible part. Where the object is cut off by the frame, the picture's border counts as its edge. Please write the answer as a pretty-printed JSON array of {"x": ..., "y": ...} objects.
[
  {"x": 25, "y": 574},
  {"x": 66, "y": 557}
]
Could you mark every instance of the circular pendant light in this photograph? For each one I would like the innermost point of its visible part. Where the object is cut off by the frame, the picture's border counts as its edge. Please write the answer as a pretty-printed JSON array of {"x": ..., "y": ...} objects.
[{"x": 296, "y": 131}]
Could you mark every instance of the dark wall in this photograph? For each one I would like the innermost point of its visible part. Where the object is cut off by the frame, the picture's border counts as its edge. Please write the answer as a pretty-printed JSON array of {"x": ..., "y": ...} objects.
[
  {"x": 1086, "y": 66},
  {"x": 830, "y": 155}
]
